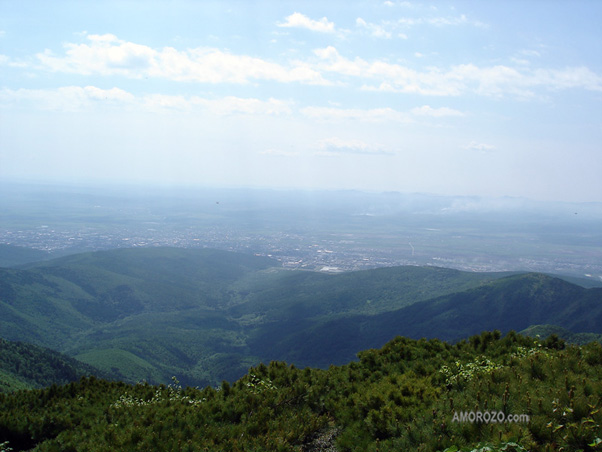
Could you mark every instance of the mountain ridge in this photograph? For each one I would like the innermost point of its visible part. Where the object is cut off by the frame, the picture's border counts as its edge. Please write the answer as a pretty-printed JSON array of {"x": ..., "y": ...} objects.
[
  {"x": 208, "y": 315},
  {"x": 28, "y": 366}
]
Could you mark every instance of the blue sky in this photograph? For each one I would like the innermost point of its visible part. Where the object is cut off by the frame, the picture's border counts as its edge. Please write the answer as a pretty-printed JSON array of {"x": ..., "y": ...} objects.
[{"x": 495, "y": 98}]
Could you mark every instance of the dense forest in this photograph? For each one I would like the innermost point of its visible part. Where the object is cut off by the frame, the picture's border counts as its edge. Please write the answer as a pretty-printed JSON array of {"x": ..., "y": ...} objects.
[
  {"x": 408, "y": 395},
  {"x": 208, "y": 315},
  {"x": 265, "y": 359},
  {"x": 28, "y": 366}
]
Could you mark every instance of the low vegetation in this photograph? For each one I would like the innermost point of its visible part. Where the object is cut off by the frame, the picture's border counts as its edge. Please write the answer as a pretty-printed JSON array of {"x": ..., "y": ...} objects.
[{"x": 409, "y": 395}]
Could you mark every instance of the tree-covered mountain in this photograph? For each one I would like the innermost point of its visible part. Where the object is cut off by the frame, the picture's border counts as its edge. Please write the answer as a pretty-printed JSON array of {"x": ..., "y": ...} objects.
[
  {"x": 487, "y": 393},
  {"x": 11, "y": 255},
  {"x": 563, "y": 333},
  {"x": 207, "y": 315},
  {"x": 509, "y": 303},
  {"x": 27, "y": 366}
]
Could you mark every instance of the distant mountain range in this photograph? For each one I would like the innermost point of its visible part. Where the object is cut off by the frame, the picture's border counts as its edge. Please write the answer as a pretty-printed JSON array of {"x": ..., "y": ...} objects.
[{"x": 205, "y": 315}]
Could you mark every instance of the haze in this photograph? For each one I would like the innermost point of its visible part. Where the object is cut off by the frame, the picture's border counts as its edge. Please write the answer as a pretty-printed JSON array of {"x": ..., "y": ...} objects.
[{"x": 452, "y": 98}]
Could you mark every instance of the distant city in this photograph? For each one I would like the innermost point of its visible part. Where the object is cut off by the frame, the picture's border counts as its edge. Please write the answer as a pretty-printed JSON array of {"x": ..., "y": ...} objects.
[
  {"x": 330, "y": 252},
  {"x": 317, "y": 231}
]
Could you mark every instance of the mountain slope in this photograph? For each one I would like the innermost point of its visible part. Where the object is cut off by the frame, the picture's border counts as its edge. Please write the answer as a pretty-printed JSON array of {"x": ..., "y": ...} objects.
[
  {"x": 27, "y": 366},
  {"x": 409, "y": 395},
  {"x": 207, "y": 315},
  {"x": 359, "y": 292},
  {"x": 51, "y": 301},
  {"x": 510, "y": 303},
  {"x": 11, "y": 255},
  {"x": 563, "y": 333},
  {"x": 163, "y": 279},
  {"x": 146, "y": 313}
]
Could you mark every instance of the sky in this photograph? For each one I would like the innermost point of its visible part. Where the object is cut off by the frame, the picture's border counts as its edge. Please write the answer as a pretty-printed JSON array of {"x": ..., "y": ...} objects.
[{"x": 486, "y": 98}]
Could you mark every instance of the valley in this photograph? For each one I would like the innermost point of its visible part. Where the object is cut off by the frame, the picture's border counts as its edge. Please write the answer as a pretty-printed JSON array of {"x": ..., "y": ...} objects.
[
  {"x": 300, "y": 226},
  {"x": 340, "y": 321},
  {"x": 207, "y": 315}
]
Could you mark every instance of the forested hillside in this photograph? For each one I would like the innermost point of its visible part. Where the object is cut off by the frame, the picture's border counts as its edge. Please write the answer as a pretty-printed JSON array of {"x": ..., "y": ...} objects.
[
  {"x": 509, "y": 303},
  {"x": 207, "y": 315},
  {"x": 568, "y": 336},
  {"x": 27, "y": 366},
  {"x": 413, "y": 395},
  {"x": 16, "y": 255}
]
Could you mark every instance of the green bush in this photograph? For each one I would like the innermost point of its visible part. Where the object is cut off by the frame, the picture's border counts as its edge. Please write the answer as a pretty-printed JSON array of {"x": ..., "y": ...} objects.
[{"x": 400, "y": 397}]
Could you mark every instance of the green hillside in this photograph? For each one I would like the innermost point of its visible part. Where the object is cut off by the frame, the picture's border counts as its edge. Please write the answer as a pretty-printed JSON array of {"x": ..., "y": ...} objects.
[
  {"x": 359, "y": 292},
  {"x": 54, "y": 300},
  {"x": 410, "y": 395},
  {"x": 508, "y": 303},
  {"x": 11, "y": 255},
  {"x": 207, "y": 315},
  {"x": 27, "y": 366},
  {"x": 563, "y": 333}
]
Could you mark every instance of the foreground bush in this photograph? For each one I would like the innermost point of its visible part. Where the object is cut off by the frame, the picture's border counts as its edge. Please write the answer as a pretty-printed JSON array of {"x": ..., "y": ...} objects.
[{"x": 409, "y": 395}]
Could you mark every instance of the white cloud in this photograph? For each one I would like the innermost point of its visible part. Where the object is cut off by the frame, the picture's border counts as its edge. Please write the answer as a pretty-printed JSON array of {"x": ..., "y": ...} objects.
[
  {"x": 375, "y": 30},
  {"x": 482, "y": 147},
  {"x": 407, "y": 21},
  {"x": 75, "y": 98},
  {"x": 236, "y": 105},
  {"x": 426, "y": 110},
  {"x": 229, "y": 105},
  {"x": 440, "y": 21},
  {"x": 572, "y": 77},
  {"x": 108, "y": 55},
  {"x": 494, "y": 81},
  {"x": 491, "y": 81},
  {"x": 68, "y": 98},
  {"x": 332, "y": 61},
  {"x": 298, "y": 20},
  {"x": 500, "y": 80},
  {"x": 105, "y": 55},
  {"x": 337, "y": 146},
  {"x": 164, "y": 102},
  {"x": 520, "y": 61},
  {"x": 355, "y": 114},
  {"x": 403, "y": 4},
  {"x": 530, "y": 53},
  {"x": 279, "y": 153},
  {"x": 523, "y": 57},
  {"x": 5, "y": 60},
  {"x": 392, "y": 77}
]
